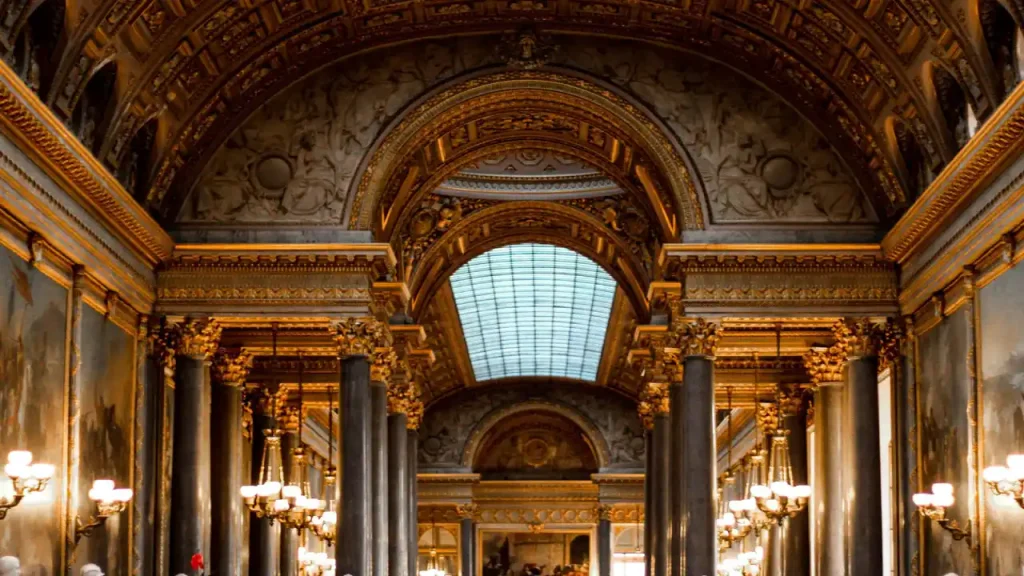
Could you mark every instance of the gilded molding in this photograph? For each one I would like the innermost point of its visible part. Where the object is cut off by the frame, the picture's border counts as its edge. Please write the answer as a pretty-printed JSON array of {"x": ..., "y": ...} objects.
[
  {"x": 414, "y": 414},
  {"x": 467, "y": 511},
  {"x": 825, "y": 364},
  {"x": 197, "y": 338},
  {"x": 865, "y": 337},
  {"x": 231, "y": 369},
  {"x": 604, "y": 512},
  {"x": 383, "y": 362},
  {"x": 698, "y": 337},
  {"x": 654, "y": 399}
]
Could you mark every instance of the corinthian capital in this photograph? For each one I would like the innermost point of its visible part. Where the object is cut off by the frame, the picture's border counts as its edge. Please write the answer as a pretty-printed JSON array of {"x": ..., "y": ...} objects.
[
  {"x": 197, "y": 338},
  {"x": 698, "y": 337},
  {"x": 825, "y": 364},
  {"x": 653, "y": 401},
  {"x": 231, "y": 369},
  {"x": 361, "y": 336},
  {"x": 383, "y": 363},
  {"x": 414, "y": 414},
  {"x": 402, "y": 397},
  {"x": 865, "y": 336}
]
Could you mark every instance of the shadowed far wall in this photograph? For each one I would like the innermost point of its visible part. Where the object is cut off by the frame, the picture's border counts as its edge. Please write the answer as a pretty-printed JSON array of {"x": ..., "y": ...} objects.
[
  {"x": 451, "y": 424},
  {"x": 944, "y": 392},
  {"x": 33, "y": 375}
]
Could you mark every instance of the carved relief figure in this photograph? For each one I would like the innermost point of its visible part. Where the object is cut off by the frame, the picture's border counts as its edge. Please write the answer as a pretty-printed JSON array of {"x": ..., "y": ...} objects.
[
  {"x": 759, "y": 159},
  {"x": 294, "y": 160}
]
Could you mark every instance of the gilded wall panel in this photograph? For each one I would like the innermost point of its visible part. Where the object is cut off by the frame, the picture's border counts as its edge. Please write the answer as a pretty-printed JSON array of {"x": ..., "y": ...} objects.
[
  {"x": 944, "y": 391},
  {"x": 1002, "y": 371},
  {"x": 33, "y": 332},
  {"x": 106, "y": 400}
]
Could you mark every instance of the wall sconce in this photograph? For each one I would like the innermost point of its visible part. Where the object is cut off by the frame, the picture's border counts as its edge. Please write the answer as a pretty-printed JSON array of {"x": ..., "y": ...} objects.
[
  {"x": 109, "y": 501},
  {"x": 1007, "y": 480},
  {"x": 26, "y": 477},
  {"x": 934, "y": 506}
]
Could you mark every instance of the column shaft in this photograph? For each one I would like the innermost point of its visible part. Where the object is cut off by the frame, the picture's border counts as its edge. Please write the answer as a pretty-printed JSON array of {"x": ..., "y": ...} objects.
[
  {"x": 796, "y": 534},
  {"x": 262, "y": 541},
  {"x": 604, "y": 547},
  {"x": 355, "y": 527},
  {"x": 190, "y": 483},
  {"x": 414, "y": 526},
  {"x": 699, "y": 465},
  {"x": 864, "y": 485},
  {"x": 828, "y": 480},
  {"x": 288, "y": 559},
  {"x": 379, "y": 475},
  {"x": 660, "y": 501},
  {"x": 677, "y": 483},
  {"x": 467, "y": 546},
  {"x": 226, "y": 480},
  {"x": 904, "y": 406},
  {"x": 147, "y": 430},
  {"x": 648, "y": 497},
  {"x": 164, "y": 471},
  {"x": 398, "y": 496}
]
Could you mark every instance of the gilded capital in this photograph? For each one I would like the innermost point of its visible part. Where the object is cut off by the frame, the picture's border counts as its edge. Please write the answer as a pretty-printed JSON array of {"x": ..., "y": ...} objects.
[
  {"x": 401, "y": 397},
  {"x": 893, "y": 339},
  {"x": 654, "y": 399},
  {"x": 196, "y": 338},
  {"x": 604, "y": 512},
  {"x": 825, "y": 364},
  {"x": 865, "y": 336},
  {"x": 790, "y": 400},
  {"x": 231, "y": 369},
  {"x": 467, "y": 511},
  {"x": 414, "y": 414},
  {"x": 768, "y": 417},
  {"x": 383, "y": 363},
  {"x": 162, "y": 343},
  {"x": 698, "y": 337},
  {"x": 361, "y": 336}
]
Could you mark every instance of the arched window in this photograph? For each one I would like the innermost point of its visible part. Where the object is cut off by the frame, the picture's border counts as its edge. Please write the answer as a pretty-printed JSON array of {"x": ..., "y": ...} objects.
[
  {"x": 952, "y": 104},
  {"x": 89, "y": 118},
  {"x": 44, "y": 38},
  {"x": 1001, "y": 39},
  {"x": 533, "y": 310}
]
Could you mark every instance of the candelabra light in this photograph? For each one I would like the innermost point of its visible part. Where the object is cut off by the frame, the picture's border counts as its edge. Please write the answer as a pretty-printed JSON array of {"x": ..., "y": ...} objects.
[
  {"x": 109, "y": 501},
  {"x": 744, "y": 564},
  {"x": 324, "y": 523},
  {"x": 315, "y": 563},
  {"x": 301, "y": 506},
  {"x": 731, "y": 528},
  {"x": 933, "y": 506},
  {"x": 263, "y": 498},
  {"x": 780, "y": 499},
  {"x": 26, "y": 477},
  {"x": 1007, "y": 481}
]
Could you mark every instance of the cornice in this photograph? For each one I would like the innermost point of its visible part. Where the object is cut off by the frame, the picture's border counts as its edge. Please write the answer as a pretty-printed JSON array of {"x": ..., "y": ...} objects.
[
  {"x": 999, "y": 141},
  {"x": 32, "y": 125}
]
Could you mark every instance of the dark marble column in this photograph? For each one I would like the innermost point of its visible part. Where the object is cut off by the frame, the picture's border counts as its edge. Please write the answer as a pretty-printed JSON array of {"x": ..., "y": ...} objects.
[
  {"x": 226, "y": 477},
  {"x": 263, "y": 541},
  {"x": 604, "y": 541},
  {"x": 398, "y": 495},
  {"x": 414, "y": 526},
  {"x": 904, "y": 404},
  {"x": 165, "y": 365},
  {"x": 863, "y": 486},
  {"x": 699, "y": 465},
  {"x": 355, "y": 524},
  {"x": 660, "y": 511},
  {"x": 796, "y": 531},
  {"x": 676, "y": 482},
  {"x": 148, "y": 384},
  {"x": 190, "y": 482},
  {"x": 73, "y": 500},
  {"x": 648, "y": 494},
  {"x": 828, "y": 478},
  {"x": 467, "y": 540},
  {"x": 379, "y": 476},
  {"x": 288, "y": 564}
]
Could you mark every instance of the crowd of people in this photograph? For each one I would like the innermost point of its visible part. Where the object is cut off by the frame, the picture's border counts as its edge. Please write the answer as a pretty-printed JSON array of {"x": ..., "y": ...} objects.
[{"x": 494, "y": 567}]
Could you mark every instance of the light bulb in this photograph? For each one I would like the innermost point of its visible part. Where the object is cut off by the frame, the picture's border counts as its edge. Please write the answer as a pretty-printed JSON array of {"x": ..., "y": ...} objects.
[
  {"x": 248, "y": 492},
  {"x": 291, "y": 491},
  {"x": 330, "y": 517},
  {"x": 103, "y": 485},
  {"x": 15, "y": 471},
  {"x": 735, "y": 506},
  {"x": 802, "y": 491},
  {"x": 43, "y": 471},
  {"x": 280, "y": 505},
  {"x": 1015, "y": 462},
  {"x": 772, "y": 504},
  {"x": 122, "y": 495},
  {"x": 922, "y": 500},
  {"x": 995, "y": 474},
  {"x": 942, "y": 500},
  {"x": 942, "y": 489},
  {"x": 19, "y": 457},
  {"x": 760, "y": 492},
  {"x": 780, "y": 488}
]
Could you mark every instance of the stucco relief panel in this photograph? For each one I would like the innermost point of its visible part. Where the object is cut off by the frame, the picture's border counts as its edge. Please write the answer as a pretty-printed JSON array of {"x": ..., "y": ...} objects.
[
  {"x": 759, "y": 159},
  {"x": 293, "y": 160}
]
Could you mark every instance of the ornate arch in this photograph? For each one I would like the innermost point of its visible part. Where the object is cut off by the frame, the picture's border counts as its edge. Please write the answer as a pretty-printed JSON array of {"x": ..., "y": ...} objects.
[
  {"x": 593, "y": 434},
  {"x": 625, "y": 255},
  {"x": 555, "y": 110}
]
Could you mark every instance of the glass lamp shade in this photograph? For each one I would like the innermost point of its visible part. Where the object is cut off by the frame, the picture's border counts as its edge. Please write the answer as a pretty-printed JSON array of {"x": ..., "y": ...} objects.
[
  {"x": 1015, "y": 462},
  {"x": 21, "y": 458},
  {"x": 922, "y": 500},
  {"x": 942, "y": 489},
  {"x": 249, "y": 492},
  {"x": 291, "y": 491},
  {"x": 992, "y": 474},
  {"x": 760, "y": 492},
  {"x": 42, "y": 471}
]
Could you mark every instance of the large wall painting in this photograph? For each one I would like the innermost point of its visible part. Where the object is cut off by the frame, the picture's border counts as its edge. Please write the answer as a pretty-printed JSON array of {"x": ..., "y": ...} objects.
[
  {"x": 535, "y": 554},
  {"x": 107, "y": 401},
  {"x": 33, "y": 331},
  {"x": 944, "y": 391},
  {"x": 1001, "y": 346}
]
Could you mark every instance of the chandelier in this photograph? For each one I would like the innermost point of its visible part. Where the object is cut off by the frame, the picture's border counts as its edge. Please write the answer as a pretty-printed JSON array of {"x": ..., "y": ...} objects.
[
  {"x": 264, "y": 499},
  {"x": 1007, "y": 482},
  {"x": 315, "y": 563},
  {"x": 26, "y": 477},
  {"x": 746, "y": 508},
  {"x": 325, "y": 522},
  {"x": 433, "y": 564},
  {"x": 730, "y": 528},
  {"x": 744, "y": 564},
  {"x": 299, "y": 506},
  {"x": 780, "y": 499}
]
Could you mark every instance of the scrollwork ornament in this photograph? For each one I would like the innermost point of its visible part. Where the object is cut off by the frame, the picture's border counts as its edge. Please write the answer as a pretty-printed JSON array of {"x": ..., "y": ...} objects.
[
  {"x": 825, "y": 364},
  {"x": 360, "y": 336},
  {"x": 383, "y": 363},
  {"x": 865, "y": 337},
  {"x": 414, "y": 414},
  {"x": 401, "y": 397},
  {"x": 892, "y": 343},
  {"x": 654, "y": 399},
  {"x": 231, "y": 369},
  {"x": 790, "y": 399},
  {"x": 163, "y": 344}
]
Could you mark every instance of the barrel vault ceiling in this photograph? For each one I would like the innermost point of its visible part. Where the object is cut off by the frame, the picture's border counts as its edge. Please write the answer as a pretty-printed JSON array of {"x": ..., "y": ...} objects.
[{"x": 173, "y": 77}]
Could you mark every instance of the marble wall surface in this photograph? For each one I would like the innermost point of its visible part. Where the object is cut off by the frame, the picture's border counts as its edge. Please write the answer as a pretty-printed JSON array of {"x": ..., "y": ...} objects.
[
  {"x": 1001, "y": 352},
  {"x": 107, "y": 403},
  {"x": 33, "y": 331}
]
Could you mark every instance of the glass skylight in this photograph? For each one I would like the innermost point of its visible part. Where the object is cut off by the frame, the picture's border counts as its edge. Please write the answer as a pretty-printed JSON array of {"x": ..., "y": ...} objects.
[{"x": 533, "y": 310}]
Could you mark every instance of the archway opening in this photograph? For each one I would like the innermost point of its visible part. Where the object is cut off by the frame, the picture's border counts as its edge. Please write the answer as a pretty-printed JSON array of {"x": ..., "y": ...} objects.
[{"x": 535, "y": 445}]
